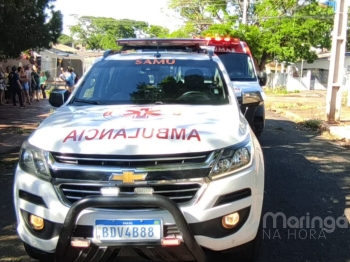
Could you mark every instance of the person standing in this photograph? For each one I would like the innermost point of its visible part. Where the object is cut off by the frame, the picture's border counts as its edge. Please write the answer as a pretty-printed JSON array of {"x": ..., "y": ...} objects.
[
  {"x": 8, "y": 92},
  {"x": 28, "y": 70},
  {"x": 76, "y": 77},
  {"x": 36, "y": 83},
  {"x": 23, "y": 78},
  {"x": 43, "y": 80},
  {"x": 2, "y": 85},
  {"x": 15, "y": 86},
  {"x": 70, "y": 80}
]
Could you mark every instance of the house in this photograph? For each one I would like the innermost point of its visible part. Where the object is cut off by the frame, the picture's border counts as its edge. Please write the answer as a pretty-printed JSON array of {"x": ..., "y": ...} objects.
[{"x": 62, "y": 56}]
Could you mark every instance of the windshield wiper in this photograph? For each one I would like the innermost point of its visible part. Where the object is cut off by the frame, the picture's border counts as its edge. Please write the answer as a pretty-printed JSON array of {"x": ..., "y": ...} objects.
[{"x": 87, "y": 101}]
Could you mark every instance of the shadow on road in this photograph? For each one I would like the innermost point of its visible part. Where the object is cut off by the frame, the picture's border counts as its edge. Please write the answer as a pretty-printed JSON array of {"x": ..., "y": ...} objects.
[{"x": 307, "y": 180}]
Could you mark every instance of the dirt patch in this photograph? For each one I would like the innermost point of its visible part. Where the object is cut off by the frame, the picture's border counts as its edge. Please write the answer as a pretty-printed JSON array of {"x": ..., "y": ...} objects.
[{"x": 8, "y": 162}]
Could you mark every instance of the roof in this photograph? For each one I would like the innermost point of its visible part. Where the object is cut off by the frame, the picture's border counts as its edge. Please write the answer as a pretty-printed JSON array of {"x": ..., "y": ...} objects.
[{"x": 64, "y": 48}]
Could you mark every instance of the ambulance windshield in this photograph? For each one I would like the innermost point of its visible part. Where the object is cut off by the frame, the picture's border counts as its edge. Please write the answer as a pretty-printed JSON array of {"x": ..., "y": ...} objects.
[{"x": 239, "y": 66}]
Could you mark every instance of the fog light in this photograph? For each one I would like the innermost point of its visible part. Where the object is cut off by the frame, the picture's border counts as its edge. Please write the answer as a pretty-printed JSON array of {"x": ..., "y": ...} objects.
[
  {"x": 231, "y": 220},
  {"x": 82, "y": 243},
  {"x": 37, "y": 223},
  {"x": 171, "y": 242}
]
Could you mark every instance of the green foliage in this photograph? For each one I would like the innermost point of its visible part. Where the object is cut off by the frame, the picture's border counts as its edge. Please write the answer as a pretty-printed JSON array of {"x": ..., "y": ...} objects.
[
  {"x": 291, "y": 29},
  {"x": 184, "y": 32},
  {"x": 284, "y": 30},
  {"x": 312, "y": 124},
  {"x": 26, "y": 25},
  {"x": 157, "y": 31},
  {"x": 218, "y": 30},
  {"x": 102, "y": 32},
  {"x": 200, "y": 14},
  {"x": 275, "y": 91},
  {"x": 65, "y": 39}
]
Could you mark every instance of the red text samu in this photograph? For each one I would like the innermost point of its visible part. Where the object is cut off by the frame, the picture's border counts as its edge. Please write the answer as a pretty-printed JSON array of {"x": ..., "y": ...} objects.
[{"x": 155, "y": 62}]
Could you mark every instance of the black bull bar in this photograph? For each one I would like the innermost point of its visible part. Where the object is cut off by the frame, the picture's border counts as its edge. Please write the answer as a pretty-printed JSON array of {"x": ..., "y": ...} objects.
[{"x": 126, "y": 201}]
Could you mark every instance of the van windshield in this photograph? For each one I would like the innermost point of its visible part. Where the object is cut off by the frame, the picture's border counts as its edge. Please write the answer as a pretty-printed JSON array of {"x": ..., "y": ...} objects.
[
  {"x": 148, "y": 81},
  {"x": 240, "y": 67}
]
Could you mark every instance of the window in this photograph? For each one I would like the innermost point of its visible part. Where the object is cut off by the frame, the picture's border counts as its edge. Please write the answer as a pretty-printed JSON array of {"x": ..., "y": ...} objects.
[
  {"x": 239, "y": 66},
  {"x": 153, "y": 81}
]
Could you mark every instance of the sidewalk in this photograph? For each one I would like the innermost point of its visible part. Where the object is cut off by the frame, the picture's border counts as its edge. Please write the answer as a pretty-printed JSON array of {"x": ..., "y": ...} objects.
[
  {"x": 16, "y": 123},
  {"x": 310, "y": 106}
]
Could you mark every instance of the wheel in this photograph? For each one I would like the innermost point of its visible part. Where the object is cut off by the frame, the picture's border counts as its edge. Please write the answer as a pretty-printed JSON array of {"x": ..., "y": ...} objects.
[
  {"x": 252, "y": 252},
  {"x": 38, "y": 254}
]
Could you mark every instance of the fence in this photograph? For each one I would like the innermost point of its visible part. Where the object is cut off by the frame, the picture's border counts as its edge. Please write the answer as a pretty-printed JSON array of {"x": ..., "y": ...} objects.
[{"x": 315, "y": 79}]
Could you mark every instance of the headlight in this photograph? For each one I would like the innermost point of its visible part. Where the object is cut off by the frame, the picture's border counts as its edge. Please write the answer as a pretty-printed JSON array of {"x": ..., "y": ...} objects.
[
  {"x": 34, "y": 161},
  {"x": 232, "y": 160}
]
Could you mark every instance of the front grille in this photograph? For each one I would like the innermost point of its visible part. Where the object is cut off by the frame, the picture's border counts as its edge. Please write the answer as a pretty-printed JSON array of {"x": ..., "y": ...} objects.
[
  {"x": 180, "y": 193},
  {"x": 128, "y": 161}
]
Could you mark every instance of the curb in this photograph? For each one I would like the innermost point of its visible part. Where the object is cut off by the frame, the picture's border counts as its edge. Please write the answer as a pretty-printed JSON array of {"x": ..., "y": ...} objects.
[
  {"x": 295, "y": 117},
  {"x": 338, "y": 132}
]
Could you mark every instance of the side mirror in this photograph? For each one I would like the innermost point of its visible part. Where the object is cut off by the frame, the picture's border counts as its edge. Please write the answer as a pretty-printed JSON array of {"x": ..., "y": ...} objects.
[
  {"x": 262, "y": 78},
  {"x": 58, "y": 97},
  {"x": 251, "y": 99}
]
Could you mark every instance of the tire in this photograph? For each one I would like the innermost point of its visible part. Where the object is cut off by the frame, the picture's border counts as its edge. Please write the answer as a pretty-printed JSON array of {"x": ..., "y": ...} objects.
[
  {"x": 38, "y": 254},
  {"x": 252, "y": 253},
  {"x": 247, "y": 252},
  {"x": 258, "y": 135}
]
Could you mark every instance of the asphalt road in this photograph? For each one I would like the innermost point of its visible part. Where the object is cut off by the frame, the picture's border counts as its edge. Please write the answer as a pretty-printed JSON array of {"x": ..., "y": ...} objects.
[{"x": 306, "y": 176}]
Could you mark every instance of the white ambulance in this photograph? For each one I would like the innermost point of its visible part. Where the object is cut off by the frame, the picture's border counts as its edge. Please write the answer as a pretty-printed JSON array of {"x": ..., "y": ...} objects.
[{"x": 150, "y": 158}]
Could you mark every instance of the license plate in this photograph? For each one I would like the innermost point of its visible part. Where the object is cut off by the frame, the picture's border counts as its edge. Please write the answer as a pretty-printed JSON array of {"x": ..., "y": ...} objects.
[{"x": 128, "y": 230}]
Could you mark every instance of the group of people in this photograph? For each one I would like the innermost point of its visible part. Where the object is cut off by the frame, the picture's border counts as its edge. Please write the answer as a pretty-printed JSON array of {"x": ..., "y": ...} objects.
[{"x": 21, "y": 84}]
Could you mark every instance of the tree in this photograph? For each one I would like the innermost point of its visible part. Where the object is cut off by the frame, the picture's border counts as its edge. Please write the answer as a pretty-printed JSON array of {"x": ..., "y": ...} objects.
[
  {"x": 157, "y": 31},
  {"x": 102, "y": 32},
  {"x": 185, "y": 31},
  {"x": 290, "y": 29},
  {"x": 65, "y": 39},
  {"x": 27, "y": 25},
  {"x": 284, "y": 30},
  {"x": 200, "y": 14}
]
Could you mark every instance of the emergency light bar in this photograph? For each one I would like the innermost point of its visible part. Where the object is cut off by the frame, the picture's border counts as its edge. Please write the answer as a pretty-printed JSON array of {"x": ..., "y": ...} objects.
[
  {"x": 227, "y": 45},
  {"x": 184, "y": 42},
  {"x": 234, "y": 40}
]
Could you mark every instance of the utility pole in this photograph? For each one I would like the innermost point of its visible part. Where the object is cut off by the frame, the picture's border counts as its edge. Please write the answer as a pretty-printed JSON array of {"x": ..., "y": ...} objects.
[
  {"x": 245, "y": 8},
  {"x": 336, "y": 68}
]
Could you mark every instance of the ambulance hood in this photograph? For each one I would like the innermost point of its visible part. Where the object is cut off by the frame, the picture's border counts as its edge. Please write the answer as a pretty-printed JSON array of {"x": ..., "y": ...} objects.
[{"x": 137, "y": 130}]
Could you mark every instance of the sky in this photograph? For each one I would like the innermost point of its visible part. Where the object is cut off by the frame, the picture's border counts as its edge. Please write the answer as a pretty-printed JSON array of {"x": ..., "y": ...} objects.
[{"x": 154, "y": 12}]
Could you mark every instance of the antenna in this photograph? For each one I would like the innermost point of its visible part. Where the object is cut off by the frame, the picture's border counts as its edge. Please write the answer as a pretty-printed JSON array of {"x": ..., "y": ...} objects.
[
  {"x": 210, "y": 53},
  {"x": 157, "y": 54}
]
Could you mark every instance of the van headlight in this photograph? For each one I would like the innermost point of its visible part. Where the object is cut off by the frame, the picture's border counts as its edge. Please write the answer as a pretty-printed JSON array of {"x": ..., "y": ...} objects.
[
  {"x": 34, "y": 161},
  {"x": 232, "y": 160}
]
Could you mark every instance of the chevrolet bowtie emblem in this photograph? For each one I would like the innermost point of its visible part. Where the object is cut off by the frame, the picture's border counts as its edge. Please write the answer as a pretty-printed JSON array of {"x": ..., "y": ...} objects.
[{"x": 128, "y": 177}]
